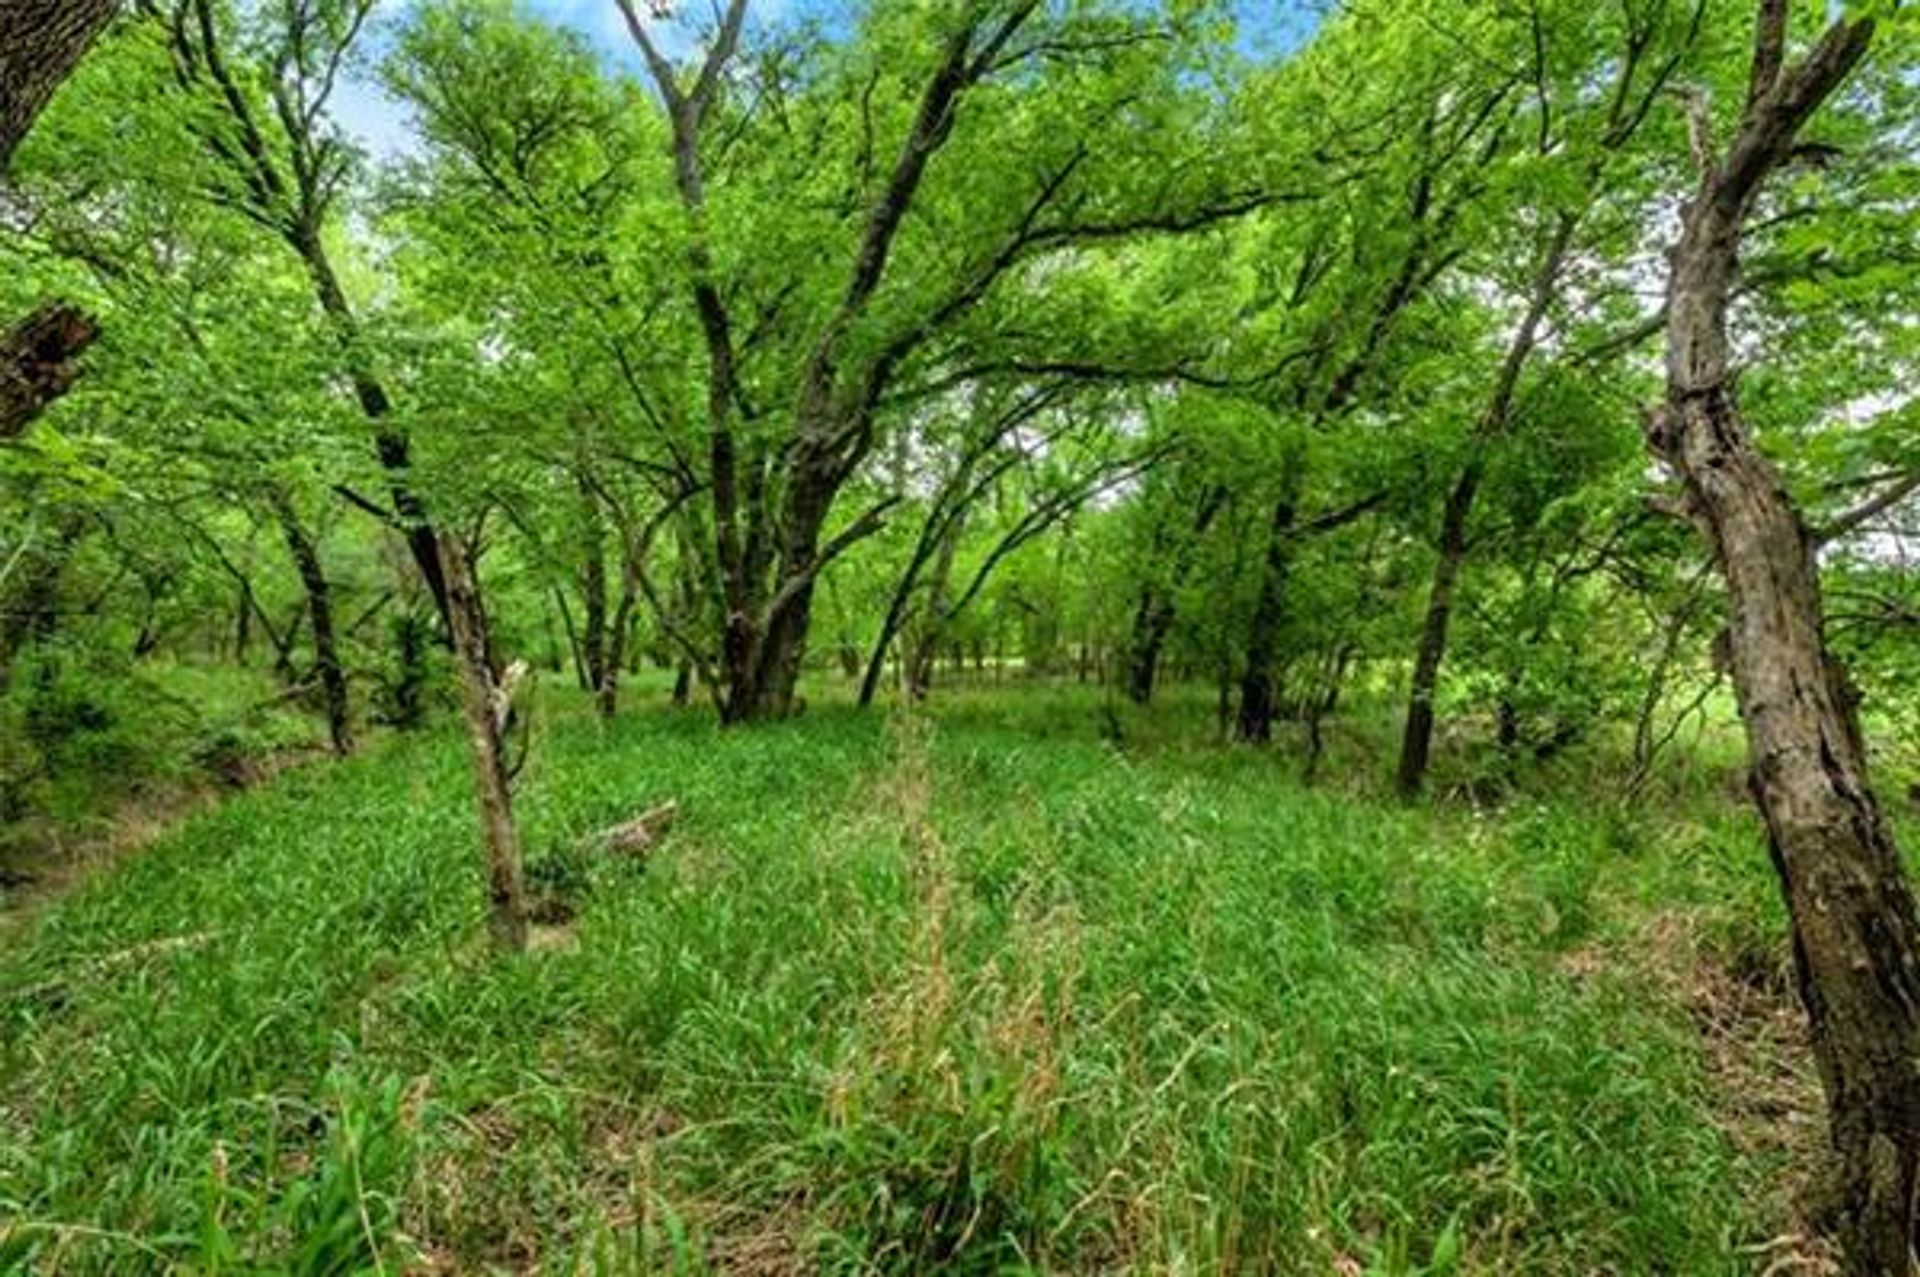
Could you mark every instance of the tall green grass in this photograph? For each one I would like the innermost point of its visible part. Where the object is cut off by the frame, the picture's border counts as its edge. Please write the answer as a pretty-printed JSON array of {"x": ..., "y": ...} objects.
[{"x": 973, "y": 993}]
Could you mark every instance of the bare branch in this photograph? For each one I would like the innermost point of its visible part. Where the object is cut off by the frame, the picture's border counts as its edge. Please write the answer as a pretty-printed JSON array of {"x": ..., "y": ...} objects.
[{"x": 1872, "y": 508}]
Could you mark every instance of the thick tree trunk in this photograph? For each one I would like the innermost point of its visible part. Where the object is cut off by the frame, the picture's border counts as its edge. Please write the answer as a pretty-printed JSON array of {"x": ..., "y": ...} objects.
[
  {"x": 485, "y": 701},
  {"x": 41, "y": 42},
  {"x": 1416, "y": 742},
  {"x": 1855, "y": 936},
  {"x": 326, "y": 647},
  {"x": 762, "y": 660},
  {"x": 1856, "y": 942}
]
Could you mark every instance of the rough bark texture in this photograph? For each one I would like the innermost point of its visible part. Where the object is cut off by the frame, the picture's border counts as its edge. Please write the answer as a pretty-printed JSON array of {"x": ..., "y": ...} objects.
[
  {"x": 1855, "y": 939},
  {"x": 41, "y": 42},
  {"x": 484, "y": 703},
  {"x": 39, "y": 361}
]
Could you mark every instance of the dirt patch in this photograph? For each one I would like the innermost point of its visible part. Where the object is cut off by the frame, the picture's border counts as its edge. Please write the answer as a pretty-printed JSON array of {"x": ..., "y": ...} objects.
[{"x": 39, "y": 870}]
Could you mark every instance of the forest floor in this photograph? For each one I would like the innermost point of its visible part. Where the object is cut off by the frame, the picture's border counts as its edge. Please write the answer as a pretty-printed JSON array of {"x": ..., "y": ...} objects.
[{"x": 969, "y": 991}]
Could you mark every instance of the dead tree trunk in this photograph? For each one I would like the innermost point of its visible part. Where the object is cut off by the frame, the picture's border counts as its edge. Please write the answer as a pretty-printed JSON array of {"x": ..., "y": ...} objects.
[
  {"x": 485, "y": 705},
  {"x": 326, "y": 647},
  {"x": 1855, "y": 940},
  {"x": 39, "y": 361}
]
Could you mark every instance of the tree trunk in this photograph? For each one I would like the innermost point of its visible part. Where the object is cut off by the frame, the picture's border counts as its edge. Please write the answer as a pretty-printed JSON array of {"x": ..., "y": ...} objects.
[
  {"x": 326, "y": 648},
  {"x": 391, "y": 446},
  {"x": 1856, "y": 943},
  {"x": 1416, "y": 742},
  {"x": 484, "y": 704},
  {"x": 599, "y": 662},
  {"x": 933, "y": 613},
  {"x": 606, "y": 697},
  {"x": 762, "y": 661},
  {"x": 1153, "y": 618},
  {"x": 1257, "y": 699},
  {"x": 39, "y": 360},
  {"x": 41, "y": 42}
]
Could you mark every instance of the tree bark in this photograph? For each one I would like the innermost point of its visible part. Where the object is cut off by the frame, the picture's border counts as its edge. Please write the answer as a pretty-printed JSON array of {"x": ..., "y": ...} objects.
[
  {"x": 1856, "y": 943},
  {"x": 391, "y": 446},
  {"x": 1257, "y": 698},
  {"x": 326, "y": 647},
  {"x": 1416, "y": 742},
  {"x": 39, "y": 362},
  {"x": 485, "y": 701},
  {"x": 41, "y": 42}
]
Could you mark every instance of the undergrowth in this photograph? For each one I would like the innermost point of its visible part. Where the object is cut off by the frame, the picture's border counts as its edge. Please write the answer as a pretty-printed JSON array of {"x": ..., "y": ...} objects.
[{"x": 978, "y": 992}]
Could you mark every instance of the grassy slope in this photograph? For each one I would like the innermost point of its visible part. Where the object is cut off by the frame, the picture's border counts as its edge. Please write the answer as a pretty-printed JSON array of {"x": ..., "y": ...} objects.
[{"x": 979, "y": 991}]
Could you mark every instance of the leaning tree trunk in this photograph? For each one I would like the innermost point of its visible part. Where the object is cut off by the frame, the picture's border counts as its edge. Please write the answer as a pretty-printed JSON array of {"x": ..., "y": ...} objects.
[
  {"x": 1416, "y": 741},
  {"x": 485, "y": 704},
  {"x": 41, "y": 42},
  {"x": 326, "y": 646},
  {"x": 1856, "y": 942}
]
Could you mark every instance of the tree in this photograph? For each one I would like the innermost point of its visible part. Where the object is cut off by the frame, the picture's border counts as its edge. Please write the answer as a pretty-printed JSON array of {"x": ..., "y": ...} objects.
[
  {"x": 41, "y": 42},
  {"x": 1856, "y": 941},
  {"x": 1641, "y": 69},
  {"x": 276, "y": 161},
  {"x": 799, "y": 392}
]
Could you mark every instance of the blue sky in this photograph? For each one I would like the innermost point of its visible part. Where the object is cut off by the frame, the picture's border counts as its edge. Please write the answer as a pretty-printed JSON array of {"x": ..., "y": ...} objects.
[{"x": 381, "y": 125}]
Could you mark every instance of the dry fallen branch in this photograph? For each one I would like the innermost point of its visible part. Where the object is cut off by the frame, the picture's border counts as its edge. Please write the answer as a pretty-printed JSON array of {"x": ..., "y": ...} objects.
[
  {"x": 635, "y": 837},
  {"x": 52, "y": 995}
]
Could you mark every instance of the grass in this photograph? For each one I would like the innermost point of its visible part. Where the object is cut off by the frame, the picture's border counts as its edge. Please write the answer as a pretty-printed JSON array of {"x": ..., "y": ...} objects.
[{"x": 975, "y": 993}]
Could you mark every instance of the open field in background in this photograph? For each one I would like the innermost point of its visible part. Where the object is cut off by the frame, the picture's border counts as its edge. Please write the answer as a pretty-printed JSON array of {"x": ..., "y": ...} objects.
[{"x": 974, "y": 988}]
